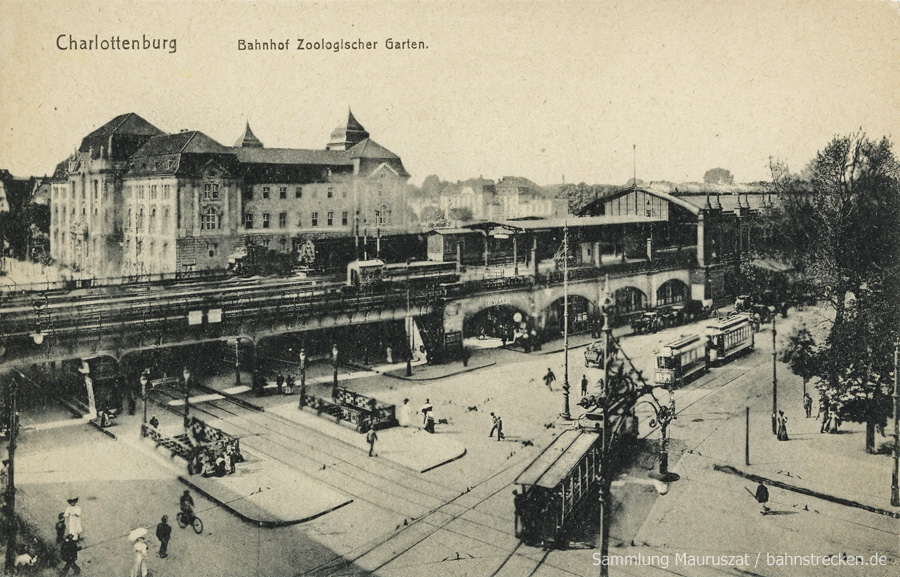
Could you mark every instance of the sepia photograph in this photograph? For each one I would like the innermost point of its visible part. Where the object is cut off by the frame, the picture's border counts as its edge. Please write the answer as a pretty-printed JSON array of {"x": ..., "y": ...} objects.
[{"x": 270, "y": 269}]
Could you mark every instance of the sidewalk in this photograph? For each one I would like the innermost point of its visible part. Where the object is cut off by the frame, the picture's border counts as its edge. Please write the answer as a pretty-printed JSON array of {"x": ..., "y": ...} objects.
[{"x": 409, "y": 447}]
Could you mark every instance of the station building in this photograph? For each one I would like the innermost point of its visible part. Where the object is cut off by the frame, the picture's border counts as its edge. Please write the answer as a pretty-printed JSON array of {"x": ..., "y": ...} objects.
[{"x": 135, "y": 200}]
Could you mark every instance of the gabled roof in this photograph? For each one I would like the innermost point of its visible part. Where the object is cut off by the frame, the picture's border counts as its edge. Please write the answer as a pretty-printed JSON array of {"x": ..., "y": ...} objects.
[
  {"x": 368, "y": 148},
  {"x": 129, "y": 123},
  {"x": 692, "y": 208},
  {"x": 191, "y": 142},
  {"x": 292, "y": 156}
]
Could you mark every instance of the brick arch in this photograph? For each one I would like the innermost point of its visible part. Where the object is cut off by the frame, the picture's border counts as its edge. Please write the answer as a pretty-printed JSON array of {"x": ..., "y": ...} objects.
[{"x": 672, "y": 291}]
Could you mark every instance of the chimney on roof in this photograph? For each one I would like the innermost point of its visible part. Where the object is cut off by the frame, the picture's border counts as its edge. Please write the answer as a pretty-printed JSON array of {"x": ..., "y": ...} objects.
[
  {"x": 708, "y": 205},
  {"x": 183, "y": 130}
]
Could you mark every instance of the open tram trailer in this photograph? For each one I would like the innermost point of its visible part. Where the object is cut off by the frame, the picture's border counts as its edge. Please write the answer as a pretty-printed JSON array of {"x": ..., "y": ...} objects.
[
  {"x": 681, "y": 359},
  {"x": 729, "y": 337}
]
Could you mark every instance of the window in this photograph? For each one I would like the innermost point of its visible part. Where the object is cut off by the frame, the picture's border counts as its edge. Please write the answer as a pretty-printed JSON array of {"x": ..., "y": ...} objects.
[
  {"x": 299, "y": 219},
  {"x": 128, "y": 220},
  {"x": 152, "y": 219},
  {"x": 166, "y": 188},
  {"x": 165, "y": 222},
  {"x": 299, "y": 192},
  {"x": 96, "y": 190},
  {"x": 266, "y": 192},
  {"x": 152, "y": 192},
  {"x": 210, "y": 220},
  {"x": 344, "y": 218},
  {"x": 265, "y": 220},
  {"x": 282, "y": 220},
  {"x": 140, "y": 191},
  {"x": 330, "y": 192},
  {"x": 211, "y": 191},
  {"x": 282, "y": 192},
  {"x": 127, "y": 193},
  {"x": 344, "y": 193},
  {"x": 314, "y": 219},
  {"x": 330, "y": 218},
  {"x": 140, "y": 220},
  {"x": 248, "y": 220}
]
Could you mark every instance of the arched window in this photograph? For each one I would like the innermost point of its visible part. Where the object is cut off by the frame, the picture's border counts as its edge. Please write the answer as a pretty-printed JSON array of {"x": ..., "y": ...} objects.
[
  {"x": 153, "y": 219},
  {"x": 210, "y": 220}
]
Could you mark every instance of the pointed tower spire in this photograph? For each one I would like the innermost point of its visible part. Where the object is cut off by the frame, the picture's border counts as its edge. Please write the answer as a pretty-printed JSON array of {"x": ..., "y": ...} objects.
[
  {"x": 347, "y": 135},
  {"x": 248, "y": 139}
]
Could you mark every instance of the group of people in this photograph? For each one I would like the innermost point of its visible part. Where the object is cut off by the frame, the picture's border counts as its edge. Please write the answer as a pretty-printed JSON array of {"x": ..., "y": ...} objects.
[
  {"x": 215, "y": 454},
  {"x": 284, "y": 385},
  {"x": 68, "y": 533}
]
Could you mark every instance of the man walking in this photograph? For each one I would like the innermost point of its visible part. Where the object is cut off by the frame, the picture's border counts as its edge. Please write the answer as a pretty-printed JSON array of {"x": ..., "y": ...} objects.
[
  {"x": 584, "y": 384},
  {"x": 762, "y": 497},
  {"x": 549, "y": 378},
  {"x": 500, "y": 434},
  {"x": 68, "y": 551},
  {"x": 807, "y": 404},
  {"x": 164, "y": 533},
  {"x": 494, "y": 427},
  {"x": 371, "y": 437}
]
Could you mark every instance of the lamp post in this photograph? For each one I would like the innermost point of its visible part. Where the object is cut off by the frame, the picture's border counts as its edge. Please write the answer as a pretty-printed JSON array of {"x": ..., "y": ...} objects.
[
  {"x": 237, "y": 362},
  {"x": 334, "y": 359},
  {"x": 10, "y": 496},
  {"x": 302, "y": 378},
  {"x": 565, "y": 414},
  {"x": 144, "y": 382},
  {"x": 895, "y": 491},
  {"x": 774, "y": 380},
  {"x": 664, "y": 415},
  {"x": 187, "y": 395}
]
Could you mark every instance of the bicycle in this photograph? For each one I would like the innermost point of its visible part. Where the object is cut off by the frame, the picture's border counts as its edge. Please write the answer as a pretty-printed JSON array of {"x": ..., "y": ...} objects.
[{"x": 189, "y": 519}]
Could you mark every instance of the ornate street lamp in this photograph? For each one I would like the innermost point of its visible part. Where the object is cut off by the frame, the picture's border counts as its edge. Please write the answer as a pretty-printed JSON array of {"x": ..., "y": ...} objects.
[
  {"x": 664, "y": 414},
  {"x": 187, "y": 395},
  {"x": 302, "y": 378},
  {"x": 334, "y": 360},
  {"x": 144, "y": 381}
]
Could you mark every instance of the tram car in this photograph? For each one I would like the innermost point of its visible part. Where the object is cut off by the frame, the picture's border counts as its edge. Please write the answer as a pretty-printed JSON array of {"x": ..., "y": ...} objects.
[
  {"x": 555, "y": 487},
  {"x": 681, "y": 359},
  {"x": 729, "y": 337}
]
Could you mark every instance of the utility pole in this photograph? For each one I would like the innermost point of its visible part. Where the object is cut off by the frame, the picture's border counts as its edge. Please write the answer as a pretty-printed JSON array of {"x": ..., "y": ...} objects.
[
  {"x": 747, "y": 436},
  {"x": 604, "y": 481},
  {"x": 774, "y": 379},
  {"x": 11, "y": 482},
  {"x": 895, "y": 491}
]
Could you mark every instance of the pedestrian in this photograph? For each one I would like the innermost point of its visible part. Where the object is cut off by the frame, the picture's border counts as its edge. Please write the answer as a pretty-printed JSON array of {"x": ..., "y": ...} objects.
[
  {"x": 762, "y": 497},
  {"x": 371, "y": 437},
  {"x": 279, "y": 383},
  {"x": 549, "y": 378},
  {"x": 72, "y": 516},
  {"x": 500, "y": 434},
  {"x": 4, "y": 477},
  {"x": 584, "y": 384},
  {"x": 782, "y": 427},
  {"x": 60, "y": 529},
  {"x": 807, "y": 404},
  {"x": 465, "y": 357},
  {"x": 494, "y": 426},
  {"x": 164, "y": 533},
  {"x": 426, "y": 411},
  {"x": 389, "y": 354},
  {"x": 139, "y": 569},
  {"x": 68, "y": 551},
  {"x": 289, "y": 385},
  {"x": 403, "y": 414},
  {"x": 154, "y": 422}
]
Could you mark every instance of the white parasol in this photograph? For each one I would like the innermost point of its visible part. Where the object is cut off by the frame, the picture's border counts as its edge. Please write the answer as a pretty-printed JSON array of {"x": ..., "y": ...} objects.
[{"x": 137, "y": 534}]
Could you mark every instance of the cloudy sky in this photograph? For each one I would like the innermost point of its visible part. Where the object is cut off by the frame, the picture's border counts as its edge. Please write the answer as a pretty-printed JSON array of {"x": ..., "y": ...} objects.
[{"x": 542, "y": 90}]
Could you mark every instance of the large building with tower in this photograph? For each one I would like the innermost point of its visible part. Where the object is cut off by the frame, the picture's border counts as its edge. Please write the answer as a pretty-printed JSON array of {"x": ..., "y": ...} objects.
[{"x": 135, "y": 200}]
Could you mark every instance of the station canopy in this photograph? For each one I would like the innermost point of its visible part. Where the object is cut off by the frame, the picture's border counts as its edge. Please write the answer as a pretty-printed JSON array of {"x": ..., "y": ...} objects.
[{"x": 516, "y": 226}]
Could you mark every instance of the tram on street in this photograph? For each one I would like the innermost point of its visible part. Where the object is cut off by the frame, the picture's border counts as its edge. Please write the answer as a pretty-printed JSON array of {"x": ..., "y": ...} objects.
[
  {"x": 681, "y": 359},
  {"x": 729, "y": 337},
  {"x": 558, "y": 484}
]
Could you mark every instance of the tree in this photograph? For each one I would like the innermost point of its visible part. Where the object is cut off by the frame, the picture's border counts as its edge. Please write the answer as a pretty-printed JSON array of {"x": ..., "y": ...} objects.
[
  {"x": 840, "y": 228},
  {"x": 718, "y": 176},
  {"x": 802, "y": 355},
  {"x": 431, "y": 215},
  {"x": 463, "y": 214}
]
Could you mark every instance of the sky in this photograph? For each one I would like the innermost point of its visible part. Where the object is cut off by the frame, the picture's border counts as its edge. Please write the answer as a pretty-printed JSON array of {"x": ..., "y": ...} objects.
[{"x": 585, "y": 92}]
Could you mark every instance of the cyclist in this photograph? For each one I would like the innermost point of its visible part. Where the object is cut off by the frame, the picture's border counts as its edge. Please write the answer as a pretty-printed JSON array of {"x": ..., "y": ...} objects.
[{"x": 187, "y": 507}]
